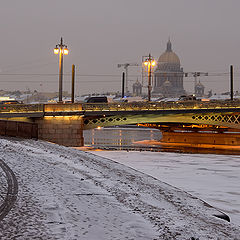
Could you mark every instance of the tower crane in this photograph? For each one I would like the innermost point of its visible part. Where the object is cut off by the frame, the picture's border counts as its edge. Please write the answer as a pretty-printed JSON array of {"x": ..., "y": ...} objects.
[
  {"x": 125, "y": 66},
  {"x": 195, "y": 75}
]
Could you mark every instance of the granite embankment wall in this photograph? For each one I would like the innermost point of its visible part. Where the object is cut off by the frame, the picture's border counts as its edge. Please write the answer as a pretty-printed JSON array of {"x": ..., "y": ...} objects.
[{"x": 63, "y": 130}]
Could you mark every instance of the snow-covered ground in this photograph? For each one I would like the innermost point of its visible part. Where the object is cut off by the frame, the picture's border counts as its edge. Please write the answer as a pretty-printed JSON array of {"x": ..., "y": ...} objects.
[
  {"x": 65, "y": 193},
  {"x": 213, "y": 178}
]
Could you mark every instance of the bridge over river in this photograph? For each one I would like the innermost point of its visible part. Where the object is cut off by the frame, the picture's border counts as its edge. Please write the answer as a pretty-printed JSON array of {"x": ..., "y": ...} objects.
[{"x": 64, "y": 123}]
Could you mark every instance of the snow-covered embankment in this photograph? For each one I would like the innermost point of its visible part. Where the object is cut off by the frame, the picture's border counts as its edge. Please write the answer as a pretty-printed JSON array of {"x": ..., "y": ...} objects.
[{"x": 65, "y": 193}]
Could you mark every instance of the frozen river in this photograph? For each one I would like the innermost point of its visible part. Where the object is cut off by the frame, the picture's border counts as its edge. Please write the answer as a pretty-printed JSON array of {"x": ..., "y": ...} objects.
[{"x": 212, "y": 177}]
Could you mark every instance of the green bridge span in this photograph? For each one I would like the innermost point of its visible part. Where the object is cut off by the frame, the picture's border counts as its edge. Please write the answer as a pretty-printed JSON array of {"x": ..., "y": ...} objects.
[
  {"x": 219, "y": 113},
  {"x": 64, "y": 123}
]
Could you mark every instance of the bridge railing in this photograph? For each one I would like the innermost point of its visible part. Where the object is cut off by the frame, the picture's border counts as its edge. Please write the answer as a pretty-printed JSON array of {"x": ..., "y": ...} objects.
[
  {"x": 67, "y": 107},
  {"x": 103, "y": 107},
  {"x": 21, "y": 108},
  {"x": 141, "y": 106},
  {"x": 31, "y": 108}
]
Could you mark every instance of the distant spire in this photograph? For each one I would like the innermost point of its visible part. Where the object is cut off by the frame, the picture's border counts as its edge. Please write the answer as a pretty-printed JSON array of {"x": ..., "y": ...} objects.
[{"x": 169, "y": 45}]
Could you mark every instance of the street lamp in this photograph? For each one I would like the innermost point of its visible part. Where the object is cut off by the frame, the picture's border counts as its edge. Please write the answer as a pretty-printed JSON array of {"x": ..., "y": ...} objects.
[
  {"x": 61, "y": 49},
  {"x": 149, "y": 63}
]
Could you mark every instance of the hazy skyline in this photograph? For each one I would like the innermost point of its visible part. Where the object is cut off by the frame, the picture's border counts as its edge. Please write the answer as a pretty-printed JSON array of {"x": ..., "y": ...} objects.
[{"x": 101, "y": 34}]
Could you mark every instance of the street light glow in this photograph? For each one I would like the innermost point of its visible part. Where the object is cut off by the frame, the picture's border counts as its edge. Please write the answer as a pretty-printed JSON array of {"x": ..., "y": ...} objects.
[
  {"x": 65, "y": 51},
  {"x": 56, "y": 50},
  {"x": 153, "y": 63},
  {"x": 149, "y": 62},
  {"x": 61, "y": 49}
]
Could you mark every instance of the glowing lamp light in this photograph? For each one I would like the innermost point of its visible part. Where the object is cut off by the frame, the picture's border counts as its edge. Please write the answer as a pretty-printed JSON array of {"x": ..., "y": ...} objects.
[
  {"x": 153, "y": 63},
  {"x": 65, "y": 51},
  {"x": 60, "y": 49},
  {"x": 56, "y": 50},
  {"x": 149, "y": 63}
]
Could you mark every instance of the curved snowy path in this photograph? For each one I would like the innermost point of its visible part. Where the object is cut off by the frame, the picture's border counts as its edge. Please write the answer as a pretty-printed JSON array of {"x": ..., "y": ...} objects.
[
  {"x": 56, "y": 203},
  {"x": 11, "y": 192},
  {"x": 68, "y": 194}
]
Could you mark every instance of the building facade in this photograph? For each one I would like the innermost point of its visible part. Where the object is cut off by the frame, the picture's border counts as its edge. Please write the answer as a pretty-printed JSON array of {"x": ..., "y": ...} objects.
[
  {"x": 137, "y": 89},
  {"x": 168, "y": 75},
  {"x": 199, "y": 89}
]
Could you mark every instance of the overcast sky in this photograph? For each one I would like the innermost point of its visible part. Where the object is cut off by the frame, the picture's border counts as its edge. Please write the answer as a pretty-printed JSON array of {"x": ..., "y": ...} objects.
[{"x": 102, "y": 33}]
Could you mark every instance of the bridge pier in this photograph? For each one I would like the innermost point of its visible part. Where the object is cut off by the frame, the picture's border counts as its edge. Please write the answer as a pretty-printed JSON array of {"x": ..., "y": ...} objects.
[{"x": 63, "y": 130}]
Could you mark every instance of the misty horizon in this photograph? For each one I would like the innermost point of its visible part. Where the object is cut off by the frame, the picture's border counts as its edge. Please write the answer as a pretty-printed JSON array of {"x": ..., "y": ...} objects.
[{"x": 102, "y": 34}]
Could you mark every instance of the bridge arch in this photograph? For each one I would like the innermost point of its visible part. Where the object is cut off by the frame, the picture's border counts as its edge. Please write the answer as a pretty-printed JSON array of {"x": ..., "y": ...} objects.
[{"x": 226, "y": 119}]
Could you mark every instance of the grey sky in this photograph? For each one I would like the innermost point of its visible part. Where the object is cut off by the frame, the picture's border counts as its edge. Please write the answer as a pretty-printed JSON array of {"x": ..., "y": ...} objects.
[{"x": 102, "y": 33}]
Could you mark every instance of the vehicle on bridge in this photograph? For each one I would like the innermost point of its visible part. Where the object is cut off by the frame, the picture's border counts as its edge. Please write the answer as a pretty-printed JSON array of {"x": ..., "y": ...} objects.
[
  {"x": 9, "y": 102},
  {"x": 97, "y": 99},
  {"x": 187, "y": 98}
]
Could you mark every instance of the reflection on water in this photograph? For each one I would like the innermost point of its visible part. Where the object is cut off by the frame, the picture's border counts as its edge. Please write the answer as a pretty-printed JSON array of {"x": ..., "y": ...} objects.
[
  {"x": 119, "y": 136},
  {"x": 139, "y": 138},
  {"x": 213, "y": 178}
]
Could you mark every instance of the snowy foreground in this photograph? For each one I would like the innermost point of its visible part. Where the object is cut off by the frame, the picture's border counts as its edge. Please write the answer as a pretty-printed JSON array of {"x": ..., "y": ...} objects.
[{"x": 65, "y": 193}]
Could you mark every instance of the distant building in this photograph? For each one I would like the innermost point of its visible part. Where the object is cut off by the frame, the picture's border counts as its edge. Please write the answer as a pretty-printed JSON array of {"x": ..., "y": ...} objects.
[
  {"x": 168, "y": 76},
  {"x": 199, "y": 89},
  {"x": 137, "y": 89}
]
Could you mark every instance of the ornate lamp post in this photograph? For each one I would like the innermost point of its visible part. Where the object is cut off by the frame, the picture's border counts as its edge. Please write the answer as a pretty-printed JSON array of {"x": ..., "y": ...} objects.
[
  {"x": 149, "y": 62},
  {"x": 61, "y": 49}
]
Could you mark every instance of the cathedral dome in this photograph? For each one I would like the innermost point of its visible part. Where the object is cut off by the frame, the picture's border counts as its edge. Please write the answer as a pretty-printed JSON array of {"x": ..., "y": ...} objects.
[{"x": 169, "y": 56}]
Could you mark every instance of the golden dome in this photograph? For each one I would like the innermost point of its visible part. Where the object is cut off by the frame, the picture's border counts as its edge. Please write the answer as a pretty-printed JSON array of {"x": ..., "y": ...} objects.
[{"x": 169, "y": 56}]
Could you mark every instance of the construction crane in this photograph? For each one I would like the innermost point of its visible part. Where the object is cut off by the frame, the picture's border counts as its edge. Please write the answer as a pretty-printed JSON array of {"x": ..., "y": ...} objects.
[
  {"x": 125, "y": 66},
  {"x": 195, "y": 75}
]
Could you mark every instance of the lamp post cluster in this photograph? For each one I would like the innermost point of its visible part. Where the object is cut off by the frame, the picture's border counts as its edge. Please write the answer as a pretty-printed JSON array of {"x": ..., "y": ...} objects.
[
  {"x": 149, "y": 63},
  {"x": 61, "y": 49}
]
